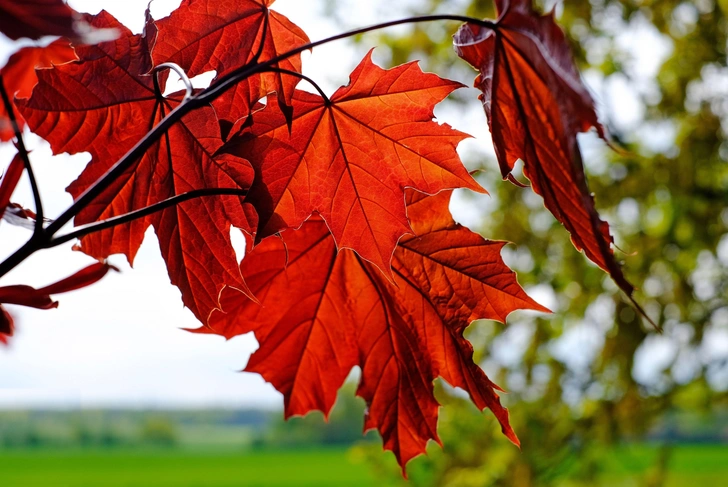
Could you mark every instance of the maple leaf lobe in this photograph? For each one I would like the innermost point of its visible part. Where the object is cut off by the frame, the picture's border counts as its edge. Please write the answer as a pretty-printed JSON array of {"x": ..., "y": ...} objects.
[{"x": 19, "y": 76}]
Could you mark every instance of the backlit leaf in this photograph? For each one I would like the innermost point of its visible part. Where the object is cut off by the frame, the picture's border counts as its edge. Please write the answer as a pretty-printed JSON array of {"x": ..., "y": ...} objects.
[
  {"x": 210, "y": 35},
  {"x": 324, "y": 311},
  {"x": 536, "y": 104},
  {"x": 109, "y": 104},
  {"x": 19, "y": 78},
  {"x": 350, "y": 157}
]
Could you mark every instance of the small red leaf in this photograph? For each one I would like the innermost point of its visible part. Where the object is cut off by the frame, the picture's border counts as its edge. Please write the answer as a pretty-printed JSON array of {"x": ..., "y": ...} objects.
[
  {"x": 40, "y": 298},
  {"x": 19, "y": 78},
  {"x": 84, "y": 277},
  {"x": 26, "y": 296},
  {"x": 7, "y": 326}
]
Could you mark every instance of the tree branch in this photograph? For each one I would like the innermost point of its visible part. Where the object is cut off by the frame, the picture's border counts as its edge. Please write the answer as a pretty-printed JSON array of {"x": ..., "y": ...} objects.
[
  {"x": 84, "y": 230},
  {"x": 302, "y": 76}
]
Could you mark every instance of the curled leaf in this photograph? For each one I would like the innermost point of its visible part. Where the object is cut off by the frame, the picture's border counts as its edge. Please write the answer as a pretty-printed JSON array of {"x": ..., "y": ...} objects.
[
  {"x": 536, "y": 104},
  {"x": 9, "y": 182}
]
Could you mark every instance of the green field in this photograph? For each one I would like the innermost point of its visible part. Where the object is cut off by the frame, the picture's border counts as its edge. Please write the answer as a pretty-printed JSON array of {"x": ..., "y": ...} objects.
[
  {"x": 689, "y": 465},
  {"x": 175, "y": 468}
]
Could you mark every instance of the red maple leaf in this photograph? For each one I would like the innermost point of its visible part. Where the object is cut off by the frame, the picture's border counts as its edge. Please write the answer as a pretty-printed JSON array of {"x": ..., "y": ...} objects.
[
  {"x": 323, "y": 311},
  {"x": 109, "y": 103},
  {"x": 207, "y": 35},
  {"x": 19, "y": 78},
  {"x": 37, "y": 18},
  {"x": 536, "y": 104},
  {"x": 349, "y": 157}
]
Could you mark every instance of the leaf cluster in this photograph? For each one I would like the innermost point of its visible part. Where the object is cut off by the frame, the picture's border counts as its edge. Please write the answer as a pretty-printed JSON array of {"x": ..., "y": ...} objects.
[{"x": 352, "y": 258}]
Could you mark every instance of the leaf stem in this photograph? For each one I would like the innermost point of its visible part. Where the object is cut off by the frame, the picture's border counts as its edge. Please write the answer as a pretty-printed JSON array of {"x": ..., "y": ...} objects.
[
  {"x": 23, "y": 152},
  {"x": 302, "y": 76},
  {"x": 180, "y": 72}
]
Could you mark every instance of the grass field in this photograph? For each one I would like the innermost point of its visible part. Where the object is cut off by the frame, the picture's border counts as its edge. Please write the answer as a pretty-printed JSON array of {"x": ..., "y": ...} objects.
[
  {"x": 175, "y": 468},
  {"x": 689, "y": 465}
]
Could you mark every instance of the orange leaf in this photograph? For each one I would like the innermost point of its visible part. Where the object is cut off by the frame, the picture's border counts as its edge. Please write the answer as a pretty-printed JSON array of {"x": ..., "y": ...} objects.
[
  {"x": 109, "y": 104},
  {"x": 536, "y": 104},
  {"x": 223, "y": 36},
  {"x": 351, "y": 157},
  {"x": 323, "y": 312}
]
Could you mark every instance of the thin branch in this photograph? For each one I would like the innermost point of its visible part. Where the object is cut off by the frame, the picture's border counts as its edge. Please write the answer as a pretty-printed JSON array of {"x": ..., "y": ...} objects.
[
  {"x": 23, "y": 152},
  {"x": 84, "y": 230},
  {"x": 232, "y": 78}
]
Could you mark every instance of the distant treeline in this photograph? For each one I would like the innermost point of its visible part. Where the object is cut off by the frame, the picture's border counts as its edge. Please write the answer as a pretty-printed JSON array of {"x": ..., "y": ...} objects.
[
  {"x": 241, "y": 429},
  {"x": 112, "y": 428},
  {"x": 217, "y": 428}
]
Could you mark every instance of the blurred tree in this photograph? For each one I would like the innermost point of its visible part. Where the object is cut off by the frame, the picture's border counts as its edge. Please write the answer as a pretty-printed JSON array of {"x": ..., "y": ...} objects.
[
  {"x": 158, "y": 431},
  {"x": 343, "y": 427},
  {"x": 592, "y": 375}
]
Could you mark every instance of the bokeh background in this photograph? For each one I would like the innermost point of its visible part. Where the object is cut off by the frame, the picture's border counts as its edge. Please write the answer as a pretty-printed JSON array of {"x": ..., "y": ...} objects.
[{"x": 109, "y": 392}]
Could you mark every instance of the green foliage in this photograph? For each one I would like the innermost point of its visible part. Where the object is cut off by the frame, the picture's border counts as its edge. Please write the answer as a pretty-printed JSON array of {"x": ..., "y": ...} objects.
[{"x": 577, "y": 381}]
